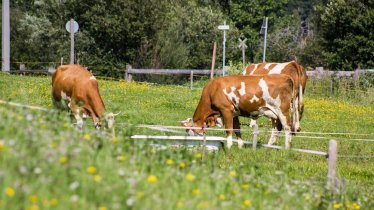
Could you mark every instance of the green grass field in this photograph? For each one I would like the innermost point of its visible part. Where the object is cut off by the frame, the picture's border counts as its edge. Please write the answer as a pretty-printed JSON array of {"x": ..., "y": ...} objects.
[{"x": 47, "y": 163}]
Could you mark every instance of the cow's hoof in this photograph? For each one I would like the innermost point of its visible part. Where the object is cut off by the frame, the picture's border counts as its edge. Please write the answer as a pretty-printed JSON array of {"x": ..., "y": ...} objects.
[{"x": 229, "y": 145}]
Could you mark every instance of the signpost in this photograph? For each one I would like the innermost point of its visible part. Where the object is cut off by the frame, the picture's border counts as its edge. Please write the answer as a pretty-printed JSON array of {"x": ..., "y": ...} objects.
[
  {"x": 243, "y": 46},
  {"x": 264, "y": 31},
  {"x": 72, "y": 27},
  {"x": 5, "y": 37},
  {"x": 224, "y": 28}
]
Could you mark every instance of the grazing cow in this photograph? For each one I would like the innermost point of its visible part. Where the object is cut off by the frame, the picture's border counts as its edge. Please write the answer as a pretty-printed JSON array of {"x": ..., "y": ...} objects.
[
  {"x": 74, "y": 88},
  {"x": 292, "y": 69},
  {"x": 248, "y": 96}
]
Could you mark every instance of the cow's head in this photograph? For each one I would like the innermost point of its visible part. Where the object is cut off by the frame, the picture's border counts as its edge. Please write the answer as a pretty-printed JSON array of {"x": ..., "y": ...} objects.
[
  {"x": 192, "y": 132},
  {"x": 109, "y": 119},
  {"x": 213, "y": 121}
]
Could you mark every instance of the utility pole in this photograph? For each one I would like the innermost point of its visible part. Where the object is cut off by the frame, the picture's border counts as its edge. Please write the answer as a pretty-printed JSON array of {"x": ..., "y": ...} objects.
[{"x": 5, "y": 37}]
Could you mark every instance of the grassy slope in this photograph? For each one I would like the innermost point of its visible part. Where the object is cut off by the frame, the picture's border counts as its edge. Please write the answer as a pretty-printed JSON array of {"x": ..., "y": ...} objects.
[{"x": 267, "y": 178}]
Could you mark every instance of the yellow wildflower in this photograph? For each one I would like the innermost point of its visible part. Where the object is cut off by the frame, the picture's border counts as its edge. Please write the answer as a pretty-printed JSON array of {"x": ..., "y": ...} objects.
[
  {"x": 152, "y": 179},
  {"x": 245, "y": 186},
  {"x": 102, "y": 208},
  {"x": 33, "y": 199},
  {"x": 337, "y": 205},
  {"x": 54, "y": 202},
  {"x": 169, "y": 162},
  {"x": 180, "y": 204},
  {"x": 10, "y": 192},
  {"x": 356, "y": 206},
  {"x": 87, "y": 137},
  {"x": 91, "y": 170},
  {"x": 182, "y": 165},
  {"x": 190, "y": 177},
  {"x": 114, "y": 139},
  {"x": 2, "y": 146},
  {"x": 66, "y": 125},
  {"x": 222, "y": 197},
  {"x": 140, "y": 195},
  {"x": 233, "y": 173},
  {"x": 247, "y": 203},
  {"x": 33, "y": 207},
  {"x": 45, "y": 202},
  {"x": 1, "y": 203},
  {"x": 198, "y": 155},
  {"x": 121, "y": 158},
  {"x": 196, "y": 191},
  {"x": 63, "y": 160},
  {"x": 97, "y": 178}
]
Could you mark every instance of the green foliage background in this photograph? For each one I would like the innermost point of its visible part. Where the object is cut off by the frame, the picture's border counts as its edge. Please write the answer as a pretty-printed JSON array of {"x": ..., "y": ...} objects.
[{"x": 336, "y": 34}]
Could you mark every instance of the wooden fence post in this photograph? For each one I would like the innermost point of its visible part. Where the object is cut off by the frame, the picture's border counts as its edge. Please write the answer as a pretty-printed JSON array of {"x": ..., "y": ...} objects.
[
  {"x": 332, "y": 157},
  {"x": 128, "y": 76},
  {"x": 191, "y": 79},
  {"x": 255, "y": 135},
  {"x": 213, "y": 60}
]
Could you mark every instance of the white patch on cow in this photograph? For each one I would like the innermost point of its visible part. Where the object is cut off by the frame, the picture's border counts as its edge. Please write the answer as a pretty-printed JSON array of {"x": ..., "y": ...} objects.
[
  {"x": 92, "y": 77},
  {"x": 229, "y": 141},
  {"x": 64, "y": 96},
  {"x": 266, "y": 95},
  {"x": 79, "y": 119},
  {"x": 254, "y": 69},
  {"x": 232, "y": 97},
  {"x": 278, "y": 68},
  {"x": 254, "y": 99},
  {"x": 273, "y": 137},
  {"x": 267, "y": 66},
  {"x": 242, "y": 89}
]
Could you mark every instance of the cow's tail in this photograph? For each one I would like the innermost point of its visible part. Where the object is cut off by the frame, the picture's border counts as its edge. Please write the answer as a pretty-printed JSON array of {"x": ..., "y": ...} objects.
[{"x": 294, "y": 112}]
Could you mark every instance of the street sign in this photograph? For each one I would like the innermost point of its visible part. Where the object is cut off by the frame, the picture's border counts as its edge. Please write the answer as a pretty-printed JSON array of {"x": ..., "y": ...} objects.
[
  {"x": 224, "y": 27},
  {"x": 242, "y": 43},
  {"x": 75, "y": 25}
]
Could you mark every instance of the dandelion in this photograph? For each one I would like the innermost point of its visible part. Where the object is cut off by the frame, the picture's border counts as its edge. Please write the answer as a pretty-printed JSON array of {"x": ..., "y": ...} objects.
[
  {"x": 54, "y": 202},
  {"x": 2, "y": 146},
  {"x": 307, "y": 198},
  {"x": 198, "y": 155},
  {"x": 337, "y": 205},
  {"x": 152, "y": 179},
  {"x": 10, "y": 192},
  {"x": 33, "y": 199},
  {"x": 87, "y": 137},
  {"x": 182, "y": 165},
  {"x": 91, "y": 170},
  {"x": 33, "y": 207},
  {"x": 121, "y": 158},
  {"x": 114, "y": 139},
  {"x": 221, "y": 197},
  {"x": 195, "y": 191},
  {"x": 169, "y": 162},
  {"x": 140, "y": 195},
  {"x": 63, "y": 160},
  {"x": 247, "y": 203},
  {"x": 102, "y": 208},
  {"x": 233, "y": 173},
  {"x": 245, "y": 186},
  {"x": 97, "y": 178},
  {"x": 66, "y": 125},
  {"x": 356, "y": 206},
  {"x": 180, "y": 204},
  {"x": 190, "y": 177}
]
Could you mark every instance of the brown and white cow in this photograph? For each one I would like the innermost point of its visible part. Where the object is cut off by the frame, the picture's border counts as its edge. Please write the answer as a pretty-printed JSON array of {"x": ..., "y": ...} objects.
[
  {"x": 248, "y": 96},
  {"x": 74, "y": 88},
  {"x": 292, "y": 69}
]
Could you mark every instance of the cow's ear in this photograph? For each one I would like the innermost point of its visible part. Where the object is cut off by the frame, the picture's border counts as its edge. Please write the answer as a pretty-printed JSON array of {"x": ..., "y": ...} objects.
[{"x": 187, "y": 122}]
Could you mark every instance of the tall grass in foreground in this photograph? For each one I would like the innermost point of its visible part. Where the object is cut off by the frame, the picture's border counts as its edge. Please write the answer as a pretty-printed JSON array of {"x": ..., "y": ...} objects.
[{"x": 46, "y": 163}]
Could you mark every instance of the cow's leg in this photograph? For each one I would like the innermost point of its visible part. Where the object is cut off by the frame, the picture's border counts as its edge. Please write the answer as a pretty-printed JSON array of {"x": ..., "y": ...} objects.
[
  {"x": 228, "y": 119},
  {"x": 286, "y": 124},
  {"x": 237, "y": 131},
  {"x": 75, "y": 111},
  {"x": 274, "y": 131},
  {"x": 296, "y": 118}
]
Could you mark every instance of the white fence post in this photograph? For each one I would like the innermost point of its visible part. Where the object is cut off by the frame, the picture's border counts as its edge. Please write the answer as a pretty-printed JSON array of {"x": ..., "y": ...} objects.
[
  {"x": 332, "y": 157},
  {"x": 255, "y": 135}
]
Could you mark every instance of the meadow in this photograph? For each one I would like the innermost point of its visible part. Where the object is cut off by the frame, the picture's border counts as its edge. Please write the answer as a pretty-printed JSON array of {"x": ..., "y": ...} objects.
[{"x": 47, "y": 163}]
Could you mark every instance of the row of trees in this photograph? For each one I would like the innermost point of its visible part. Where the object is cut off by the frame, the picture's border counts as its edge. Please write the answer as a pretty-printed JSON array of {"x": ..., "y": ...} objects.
[{"x": 337, "y": 34}]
